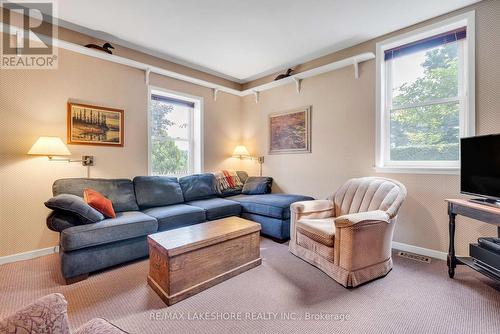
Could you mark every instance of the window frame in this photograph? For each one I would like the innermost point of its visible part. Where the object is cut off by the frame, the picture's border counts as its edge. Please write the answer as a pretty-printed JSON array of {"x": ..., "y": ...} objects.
[
  {"x": 467, "y": 112},
  {"x": 195, "y": 129}
]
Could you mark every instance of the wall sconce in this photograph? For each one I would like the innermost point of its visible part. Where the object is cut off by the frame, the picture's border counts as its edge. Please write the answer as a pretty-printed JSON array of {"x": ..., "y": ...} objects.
[
  {"x": 54, "y": 147},
  {"x": 241, "y": 152}
]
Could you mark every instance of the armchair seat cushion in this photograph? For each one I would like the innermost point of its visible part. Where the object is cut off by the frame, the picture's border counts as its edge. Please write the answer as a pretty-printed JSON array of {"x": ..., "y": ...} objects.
[
  {"x": 269, "y": 205},
  {"x": 216, "y": 208},
  {"x": 319, "y": 230},
  {"x": 174, "y": 216},
  {"x": 126, "y": 225}
]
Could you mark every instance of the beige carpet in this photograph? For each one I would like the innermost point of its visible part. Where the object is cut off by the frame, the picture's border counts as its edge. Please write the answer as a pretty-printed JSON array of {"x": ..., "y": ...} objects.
[{"x": 413, "y": 298}]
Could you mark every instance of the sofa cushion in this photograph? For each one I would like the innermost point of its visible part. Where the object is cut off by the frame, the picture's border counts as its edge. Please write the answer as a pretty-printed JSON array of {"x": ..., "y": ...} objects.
[
  {"x": 119, "y": 191},
  {"x": 255, "y": 185},
  {"x": 73, "y": 204},
  {"x": 198, "y": 186},
  {"x": 126, "y": 225},
  {"x": 270, "y": 205},
  {"x": 153, "y": 191},
  {"x": 320, "y": 230},
  {"x": 217, "y": 208},
  {"x": 174, "y": 216},
  {"x": 230, "y": 192},
  {"x": 272, "y": 227}
]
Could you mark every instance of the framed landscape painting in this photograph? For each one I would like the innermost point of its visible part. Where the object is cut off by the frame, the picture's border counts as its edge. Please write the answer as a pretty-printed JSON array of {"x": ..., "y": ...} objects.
[
  {"x": 290, "y": 131},
  {"x": 93, "y": 125}
]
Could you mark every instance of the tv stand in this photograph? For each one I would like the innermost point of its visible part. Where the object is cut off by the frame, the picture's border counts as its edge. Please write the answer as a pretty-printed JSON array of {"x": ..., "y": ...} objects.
[
  {"x": 470, "y": 208},
  {"x": 486, "y": 201}
]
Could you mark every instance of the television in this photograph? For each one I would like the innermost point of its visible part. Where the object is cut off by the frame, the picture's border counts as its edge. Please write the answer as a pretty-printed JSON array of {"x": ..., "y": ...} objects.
[{"x": 480, "y": 168}]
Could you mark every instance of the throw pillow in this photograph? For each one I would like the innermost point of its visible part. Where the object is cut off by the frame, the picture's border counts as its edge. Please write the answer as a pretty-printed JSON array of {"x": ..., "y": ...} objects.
[
  {"x": 228, "y": 182},
  {"x": 59, "y": 220},
  {"x": 74, "y": 205},
  {"x": 256, "y": 185},
  {"x": 96, "y": 200}
]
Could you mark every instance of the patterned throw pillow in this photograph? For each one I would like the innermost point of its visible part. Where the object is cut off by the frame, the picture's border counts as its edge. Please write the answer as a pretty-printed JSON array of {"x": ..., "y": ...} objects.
[{"x": 228, "y": 181}]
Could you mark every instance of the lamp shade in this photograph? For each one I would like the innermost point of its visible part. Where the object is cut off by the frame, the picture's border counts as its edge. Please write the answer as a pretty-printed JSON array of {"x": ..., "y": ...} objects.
[
  {"x": 49, "y": 146},
  {"x": 240, "y": 152}
]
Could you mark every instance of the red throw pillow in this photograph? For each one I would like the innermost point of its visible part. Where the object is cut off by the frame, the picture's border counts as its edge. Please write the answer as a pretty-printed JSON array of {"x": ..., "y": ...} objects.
[{"x": 96, "y": 200}]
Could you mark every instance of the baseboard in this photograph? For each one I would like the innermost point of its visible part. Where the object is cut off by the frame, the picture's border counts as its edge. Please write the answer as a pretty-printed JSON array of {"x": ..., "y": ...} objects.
[
  {"x": 51, "y": 250},
  {"x": 419, "y": 250},
  {"x": 28, "y": 255}
]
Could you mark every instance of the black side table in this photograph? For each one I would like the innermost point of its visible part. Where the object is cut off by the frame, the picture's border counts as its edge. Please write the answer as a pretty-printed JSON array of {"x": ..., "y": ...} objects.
[{"x": 484, "y": 213}]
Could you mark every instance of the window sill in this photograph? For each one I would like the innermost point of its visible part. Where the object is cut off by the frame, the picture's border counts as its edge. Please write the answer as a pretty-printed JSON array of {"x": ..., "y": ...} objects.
[{"x": 418, "y": 170}]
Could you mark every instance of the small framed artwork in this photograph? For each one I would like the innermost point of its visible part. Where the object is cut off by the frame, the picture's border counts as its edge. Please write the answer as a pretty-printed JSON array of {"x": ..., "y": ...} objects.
[
  {"x": 93, "y": 125},
  {"x": 290, "y": 131}
]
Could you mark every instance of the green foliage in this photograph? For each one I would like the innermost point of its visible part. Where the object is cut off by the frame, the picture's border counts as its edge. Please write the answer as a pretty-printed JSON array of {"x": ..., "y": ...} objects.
[
  {"x": 442, "y": 152},
  {"x": 431, "y": 130},
  {"x": 166, "y": 157}
]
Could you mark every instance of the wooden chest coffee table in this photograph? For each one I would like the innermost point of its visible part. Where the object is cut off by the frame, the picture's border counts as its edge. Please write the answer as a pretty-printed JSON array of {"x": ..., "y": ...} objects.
[{"x": 187, "y": 260}]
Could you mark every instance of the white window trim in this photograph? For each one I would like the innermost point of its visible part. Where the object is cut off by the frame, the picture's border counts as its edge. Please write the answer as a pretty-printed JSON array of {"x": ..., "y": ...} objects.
[
  {"x": 196, "y": 158},
  {"x": 467, "y": 125}
]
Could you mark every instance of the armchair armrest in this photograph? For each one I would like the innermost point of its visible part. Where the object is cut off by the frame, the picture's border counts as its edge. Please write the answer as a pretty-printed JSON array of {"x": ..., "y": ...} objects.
[
  {"x": 311, "y": 206},
  {"x": 47, "y": 314},
  {"x": 362, "y": 217},
  {"x": 362, "y": 239},
  {"x": 308, "y": 209}
]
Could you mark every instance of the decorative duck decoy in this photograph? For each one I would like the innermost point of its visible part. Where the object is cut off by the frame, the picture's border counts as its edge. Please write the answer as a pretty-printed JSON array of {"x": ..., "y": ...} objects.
[
  {"x": 105, "y": 48},
  {"x": 285, "y": 75}
]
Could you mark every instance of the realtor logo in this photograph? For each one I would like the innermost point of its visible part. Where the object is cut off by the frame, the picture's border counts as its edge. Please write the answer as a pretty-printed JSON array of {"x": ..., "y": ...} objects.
[{"x": 29, "y": 32}]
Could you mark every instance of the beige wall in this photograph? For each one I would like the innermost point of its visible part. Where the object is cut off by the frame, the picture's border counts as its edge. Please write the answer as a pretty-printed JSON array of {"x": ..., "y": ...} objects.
[
  {"x": 33, "y": 103},
  {"x": 343, "y": 136}
]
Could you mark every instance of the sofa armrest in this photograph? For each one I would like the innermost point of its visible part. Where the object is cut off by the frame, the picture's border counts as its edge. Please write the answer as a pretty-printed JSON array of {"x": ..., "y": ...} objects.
[
  {"x": 318, "y": 205},
  {"x": 362, "y": 217},
  {"x": 46, "y": 315}
]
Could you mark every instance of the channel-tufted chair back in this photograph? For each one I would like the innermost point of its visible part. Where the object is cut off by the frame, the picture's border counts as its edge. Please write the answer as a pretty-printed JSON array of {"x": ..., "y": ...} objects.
[{"x": 368, "y": 194}]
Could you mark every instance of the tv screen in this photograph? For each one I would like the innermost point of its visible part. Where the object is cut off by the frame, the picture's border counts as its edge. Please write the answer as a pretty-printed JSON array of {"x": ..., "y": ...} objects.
[{"x": 480, "y": 166}]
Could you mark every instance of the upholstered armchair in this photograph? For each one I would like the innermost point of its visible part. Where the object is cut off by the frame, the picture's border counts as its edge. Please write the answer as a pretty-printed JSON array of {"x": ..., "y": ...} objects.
[
  {"x": 349, "y": 235},
  {"x": 49, "y": 315}
]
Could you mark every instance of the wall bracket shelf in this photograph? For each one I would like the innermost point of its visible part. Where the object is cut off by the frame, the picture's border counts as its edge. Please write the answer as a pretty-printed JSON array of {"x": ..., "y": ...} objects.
[
  {"x": 297, "y": 78},
  {"x": 148, "y": 69}
]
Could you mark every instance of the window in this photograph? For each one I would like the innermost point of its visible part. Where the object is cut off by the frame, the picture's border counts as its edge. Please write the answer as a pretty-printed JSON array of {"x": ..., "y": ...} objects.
[
  {"x": 426, "y": 100},
  {"x": 175, "y": 134}
]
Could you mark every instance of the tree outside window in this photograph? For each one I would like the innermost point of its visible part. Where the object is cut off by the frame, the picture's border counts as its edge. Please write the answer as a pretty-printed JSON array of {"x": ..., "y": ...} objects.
[
  {"x": 424, "y": 118},
  {"x": 170, "y": 142}
]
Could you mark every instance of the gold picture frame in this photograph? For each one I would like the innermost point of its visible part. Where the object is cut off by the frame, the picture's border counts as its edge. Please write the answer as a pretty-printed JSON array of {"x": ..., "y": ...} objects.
[{"x": 94, "y": 125}]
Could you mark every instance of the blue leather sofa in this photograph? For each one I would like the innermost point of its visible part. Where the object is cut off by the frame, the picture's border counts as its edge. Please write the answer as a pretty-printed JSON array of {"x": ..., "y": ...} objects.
[{"x": 150, "y": 204}]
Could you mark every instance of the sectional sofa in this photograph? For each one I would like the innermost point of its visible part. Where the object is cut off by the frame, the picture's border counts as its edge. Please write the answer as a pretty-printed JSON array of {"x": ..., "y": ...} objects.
[{"x": 150, "y": 204}]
